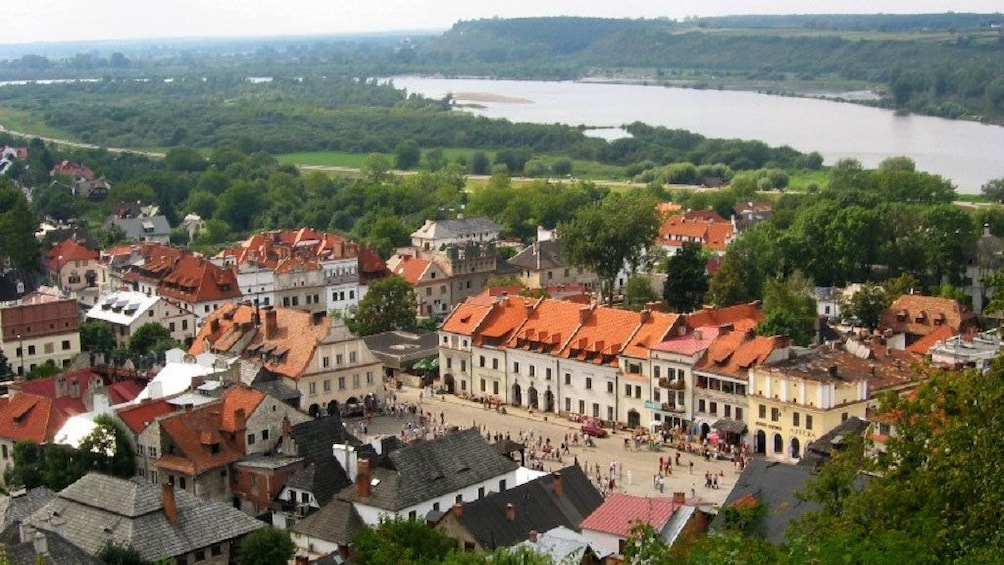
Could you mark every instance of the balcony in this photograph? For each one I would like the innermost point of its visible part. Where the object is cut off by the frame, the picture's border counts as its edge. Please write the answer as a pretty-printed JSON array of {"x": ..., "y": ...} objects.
[
  {"x": 663, "y": 406},
  {"x": 672, "y": 384}
]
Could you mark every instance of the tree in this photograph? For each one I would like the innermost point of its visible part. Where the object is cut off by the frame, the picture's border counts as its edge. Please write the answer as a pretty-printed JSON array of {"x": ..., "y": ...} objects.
[
  {"x": 375, "y": 168},
  {"x": 646, "y": 546},
  {"x": 97, "y": 336},
  {"x": 240, "y": 204},
  {"x": 686, "y": 278},
  {"x": 5, "y": 370},
  {"x": 400, "y": 541},
  {"x": 266, "y": 546},
  {"x": 185, "y": 159},
  {"x": 609, "y": 236},
  {"x": 407, "y": 154},
  {"x": 638, "y": 291},
  {"x": 115, "y": 554},
  {"x": 789, "y": 308},
  {"x": 388, "y": 305},
  {"x": 17, "y": 228},
  {"x": 435, "y": 159},
  {"x": 480, "y": 164},
  {"x": 994, "y": 190},
  {"x": 146, "y": 336},
  {"x": 867, "y": 305}
]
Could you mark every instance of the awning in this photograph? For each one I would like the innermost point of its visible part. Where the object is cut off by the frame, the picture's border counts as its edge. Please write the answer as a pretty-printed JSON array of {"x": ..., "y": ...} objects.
[{"x": 728, "y": 425}]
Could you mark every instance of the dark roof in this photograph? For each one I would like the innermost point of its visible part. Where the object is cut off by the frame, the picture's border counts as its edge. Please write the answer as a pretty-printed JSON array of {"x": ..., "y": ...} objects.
[
  {"x": 540, "y": 255},
  {"x": 134, "y": 227},
  {"x": 774, "y": 484},
  {"x": 323, "y": 479},
  {"x": 58, "y": 552},
  {"x": 98, "y": 508},
  {"x": 396, "y": 348},
  {"x": 536, "y": 508},
  {"x": 323, "y": 475},
  {"x": 819, "y": 451},
  {"x": 8, "y": 284},
  {"x": 336, "y": 522},
  {"x": 506, "y": 446},
  {"x": 21, "y": 504},
  {"x": 729, "y": 425},
  {"x": 276, "y": 389},
  {"x": 431, "y": 469}
]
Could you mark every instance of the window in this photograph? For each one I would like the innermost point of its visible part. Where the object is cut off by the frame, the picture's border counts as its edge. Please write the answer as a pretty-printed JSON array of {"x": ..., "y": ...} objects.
[
  {"x": 843, "y": 417},
  {"x": 184, "y": 325},
  {"x": 808, "y": 421},
  {"x": 250, "y": 439},
  {"x": 352, "y": 356},
  {"x": 206, "y": 308},
  {"x": 582, "y": 407},
  {"x": 655, "y": 371},
  {"x": 341, "y": 383},
  {"x": 325, "y": 361},
  {"x": 264, "y": 435},
  {"x": 216, "y": 550},
  {"x": 483, "y": 385},
  {"x": 515, "y": 367},
  {"x": 610, "y": 387},
  {"x": 181, "y": 483},
  {"x": 481, "y": 361},
  {"x": 327, "y": 385},
  {"x": 463, "y": 365},
  {"x": 355, "y": 381},
  {"x": 481, "y": 492},
  {"x": 596, "y": 410},
  {"x": 200, "y": 555},
  {"x": 700, "y": 405},
  {"x": 568, "y": 378},
  {"x": 412, "y": 515},
  {"x": 762, "y": 411},
  {"x": 627, "y": 390},
  {"x": 589, "y": 383},
  {"x": 369, "y": 378},
  {"x": 449, "y": 362},
  {"x": 502, "y": 485},
  {"x": 31, "y": 350},
  {"x": 339, "y": 359},
  {"x": 66, "y": 342},
  {"x": 495, "y": 387},
  {"x": 775, "y": 414},
  {"x": 547, "y": 373},
  {"x": 435, "y": 506},
  {"x": 459, "y": 499},
  {"x": 533, "y": 371},
  {"x": 610, "y": 413},
  {"x": 739, "y": 413},
  {"x": 312, "y": 387},
  {"x": 495, "y": 364},
  {"x": 656, "y": 394},
  {"x": 568, "y": 404},
  {"x": 794, "y": 419},
  {"x": 151, "y": 451},
  {"x": 728, "y": 410},
  {"x": 713, "y": 408}
]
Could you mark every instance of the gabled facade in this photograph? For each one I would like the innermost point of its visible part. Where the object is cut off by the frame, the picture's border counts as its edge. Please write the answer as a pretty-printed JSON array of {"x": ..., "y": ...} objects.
[
  {"x": 128, "y": 310},
  {"x": 706, "y": 227},
  {"x": 26, "y": 417},
  {"x": 430, "y": 281},
  {"x": 74, "y": 267},
  {"x": 541, "y": 265},
  {"x": 636, "y": 380},
  {"x": 199, "y": 286},
  {"x": 912, "y": 316}
]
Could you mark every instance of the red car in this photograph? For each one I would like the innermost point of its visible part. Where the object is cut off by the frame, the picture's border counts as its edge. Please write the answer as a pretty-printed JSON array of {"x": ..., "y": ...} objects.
[{"x": 593, "y": 429}]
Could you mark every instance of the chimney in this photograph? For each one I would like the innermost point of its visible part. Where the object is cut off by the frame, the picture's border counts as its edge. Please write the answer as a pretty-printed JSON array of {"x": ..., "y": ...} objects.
[
  {"x": 458, "y": 509},
  {"x": 645, "y": 315},
  {"x": 363, "y": 487},
  {"x": 287, "y": 440},
  {"x": 214, "y": 325},
  {"x": 41, "y": 544},
  {"x": 271, "y": 328},
  {"x": 240, "y": 420},
  {"x": 533, "y": 536},
  {"x": 698, "y": 334},
  {"x": 556, "y": 486},
  {"x": 654, "y": 306},
  {"x": 170, "y": 505},
  {"x": 510, "y": 512},
  {"x": 679, "y": 498},
  {"x": 584, "y": 314}
]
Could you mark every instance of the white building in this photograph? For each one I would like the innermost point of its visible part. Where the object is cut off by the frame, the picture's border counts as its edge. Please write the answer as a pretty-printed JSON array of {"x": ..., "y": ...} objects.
[{"x": 129, "y": 310}]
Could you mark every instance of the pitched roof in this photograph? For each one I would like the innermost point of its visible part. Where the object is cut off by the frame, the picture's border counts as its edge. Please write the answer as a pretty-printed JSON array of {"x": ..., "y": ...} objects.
[
  {"x": 430, "y": 469},
  {"x": 141, "y": 227},
  {"x": 97, "y": 508},
  {"x": 505, "y": 316},
  {"x": 196, "y": 441},
  {"x": 548, "y": 326},
  {"x": 467, "y": 317},
  {"x": 922, "y": 345},
  {"x": 20, "y": 504},
  {"x": 398, "y": 347},
  {"x": 734, "y": 353},
  {"x": 29, "y": 417},
  {"x": 138, "y": 416},
  {"x": 604, "y": 333},
  {"x": 323, "y": 474},
  {"x": 227, "y": 329},
  {"x": 705, "y": 226},
  {"x": 619, "y": 513},
  {"x": 540, "y": 255},
  {"x": 820, "y": 450},
  {"x": 537, "y": 507},
  {"x": 691, "y": 343},
  {"x": 741, "y": 316},
  {"x": 122, "y": 306},
  {"x": 336, "y": 522},
  {"x": 444, "y": 229},
  {"x": 66, "y": 251},
  {"x": 194, "y": 279},
  {"x": 58, "y": 551},
  {"x": 67, "y": 390},
  {"x": 775, "y": 485},
  {"x": 653, "y": 329},
  {"x": 238, "y": 398},
  {"x": 411, "y": 269},
  {"x": 920, "y": 315}
]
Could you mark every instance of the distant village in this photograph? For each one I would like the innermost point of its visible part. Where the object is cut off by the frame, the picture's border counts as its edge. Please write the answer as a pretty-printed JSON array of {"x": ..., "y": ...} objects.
[{"x": 255, "y": 418}]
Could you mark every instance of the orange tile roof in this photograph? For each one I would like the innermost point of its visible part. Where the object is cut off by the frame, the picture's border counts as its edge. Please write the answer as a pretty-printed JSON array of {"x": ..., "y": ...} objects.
[
  {"x": 411, "y": 269},
  {"x": 139, "y": 416},
  {"x": 619, "y": 513},
  {"x": 920, "y": 315},
  {"x": 548, "y": 326},
  {"x": 194, "y": 279},
  {"x": 504, "y": 317},
  {"x": 296, "y": 334},
  {"x": 922, "y": 345},
  {"x": 735, "y": 352},
  {"x": 292, "y": 264},
  {"x": 741, "y": 316},
  {"x": 29, "y": 417},
  {"x": 654, "y": 329},
  {"x": 66, "y": 251},
  {"x": 270, "y": 248},
  {"x": 706, "y": 226},
  {"x": 239, "y": 398},
  {"x": 195, "y": 435},
  {"x": 603, "y": 335},
  {"x": 466, "y": 318}
]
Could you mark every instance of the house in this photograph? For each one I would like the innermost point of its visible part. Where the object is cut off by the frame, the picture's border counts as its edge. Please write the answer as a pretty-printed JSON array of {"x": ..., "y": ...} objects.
[
  {"x": 973, "y": 349},
  {"x": 987, "y": 259},
  {"x": 73, "y": 266},
  {"x": 94, "y": 190},
  {"x": 21, "y": 503},
  {"x": 560, "y": 499},
  {"x": 75, "y": 171},
  {"x": 749, "y": 214},
  {"x": 194, "y": 225},
  {"x": 563, "y": 545},
  {"x": 639, "y": 376},
  {"x": 430, "y": 281},
  {"x": 198, "y": 286},
  {"x": 399, "y": 350},
  {"x": 141, "y": 421},
  {"x": 913, "y": 316},
  {"x": 142, "y": 229},
  {"x": 42, "y": 327},
  {"x": 158, "y": 521},
  {"x": 821, "y": 450},
  {"x": 28, "y": 546},
  {"x": 475, "y": 336},
  {"x": 26, "y": 417},
  {"x": 126, "y": 311},
  {"x": 80, "y": 391},
  {"x": 608, "y": 528},
  {"x": 793, "y": 401},
  {"x": 706, "y": 227},
  {"x": 311, "y": 353},
  {"x": 541, "y": 265},
  {"x": 776, "y": 486},
  {"x": 431, "y": 475}
]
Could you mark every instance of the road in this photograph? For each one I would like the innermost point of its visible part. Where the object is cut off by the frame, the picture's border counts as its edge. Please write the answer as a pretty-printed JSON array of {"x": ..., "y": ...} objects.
[{"x": 638, "y": 467}]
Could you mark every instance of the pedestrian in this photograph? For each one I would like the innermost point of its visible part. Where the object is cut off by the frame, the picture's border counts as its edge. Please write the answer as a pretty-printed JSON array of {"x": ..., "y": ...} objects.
[
  {"x": 661, "y": 484},
  {"x": 691, "y": 467}
]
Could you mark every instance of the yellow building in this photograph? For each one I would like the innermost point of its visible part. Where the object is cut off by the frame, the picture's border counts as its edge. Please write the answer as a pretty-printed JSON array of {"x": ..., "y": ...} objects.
[{"x": 795, "y": 401}]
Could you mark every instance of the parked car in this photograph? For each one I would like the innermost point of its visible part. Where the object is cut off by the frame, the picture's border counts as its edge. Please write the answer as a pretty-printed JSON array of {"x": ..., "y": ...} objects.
[{"x": 594, "y": 429}]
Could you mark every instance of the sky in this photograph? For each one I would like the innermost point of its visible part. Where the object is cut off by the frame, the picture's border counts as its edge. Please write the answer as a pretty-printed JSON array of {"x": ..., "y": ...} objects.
[{"x": 76, "y": 20}]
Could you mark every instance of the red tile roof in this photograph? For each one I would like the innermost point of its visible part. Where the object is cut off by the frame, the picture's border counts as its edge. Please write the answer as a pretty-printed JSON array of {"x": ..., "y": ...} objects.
[
  {"x": 619, "y": 513},
  {"x": 198, "y": 442},
  {"x": 741, "y": 316},
  {"x": 296, "y": 336},
  {"x": 411, "y": 269},
  {"x": 548, "y": 326},
  {"x": 922, "y": 345},
  {"x": 124, "y": 391},
  {"x": 735, "y": 352},
  {"x": 29, "y": 417},
  {"x": 691, "y": 343},
  {"x": 194, "y": 279},
  {"x": 467, "y": 317},
  {"x": 66, "y": 251},
  {"x": 654, "y": 328},
  {"x": 602, "y": 336},
  {"x": 71, "y": 169},
  {"x": 705, "y": 226},
  {"x": 238, "y": 398},
  {"x": 920, "y": 315},
  {"x": 139, "y": 416},
  {"x": 73, "y": 384}
]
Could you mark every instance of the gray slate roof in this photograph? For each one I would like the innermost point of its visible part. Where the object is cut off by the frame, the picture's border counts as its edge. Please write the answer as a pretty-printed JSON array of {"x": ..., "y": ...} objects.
[
  {"x": 98, "y": 508},
  {"x": 774, "y": 484},
  {"x": 397, "y": 348},
  {"x": 336, "y": 522},
  {"x": 59, "y": 552},
  {"x": 537, "y": 508},
  {"x": 323, "y": 475},
  {"x": 17, "y": 507},
  {"x": 431, "y": 469},
  {"x": 541, "y": 255},
  {"x": 133, "y": 227},
  {"x": 820, "y": 450},
  {"x": 442, "y": 229}
]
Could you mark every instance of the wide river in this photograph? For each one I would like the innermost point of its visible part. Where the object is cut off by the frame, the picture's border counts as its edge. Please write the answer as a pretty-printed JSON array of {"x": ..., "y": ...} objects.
[{"x": 968, "y": 153}]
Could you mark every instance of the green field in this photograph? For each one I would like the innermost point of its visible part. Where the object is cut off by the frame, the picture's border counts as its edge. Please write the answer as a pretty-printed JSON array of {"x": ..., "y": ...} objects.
[
  {"x": 326, "y": 159},
  {"x": 24, "y": 122}
]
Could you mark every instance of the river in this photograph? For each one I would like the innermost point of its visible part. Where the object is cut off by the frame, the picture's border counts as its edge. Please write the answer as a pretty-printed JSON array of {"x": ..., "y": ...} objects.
[{"x": 968, "y": 153}]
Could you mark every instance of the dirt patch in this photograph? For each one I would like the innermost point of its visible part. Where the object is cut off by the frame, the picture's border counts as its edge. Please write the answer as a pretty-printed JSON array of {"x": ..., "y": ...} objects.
[{"x": 490, "y": 97}]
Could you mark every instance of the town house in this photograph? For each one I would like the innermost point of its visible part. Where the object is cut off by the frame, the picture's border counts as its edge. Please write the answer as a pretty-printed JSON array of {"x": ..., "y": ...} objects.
[
  {"x": 638, "y": 378},
  {"x": 42, "y": 327},
  {"x": 541, "y": 265},
  {"x": 912, "y": 317},
  {"x": 430, "y": 281},
  {"x": 706, "y": 227},
  {"x": 75, "y": 267},
  {"x": 128, "y": 310}
]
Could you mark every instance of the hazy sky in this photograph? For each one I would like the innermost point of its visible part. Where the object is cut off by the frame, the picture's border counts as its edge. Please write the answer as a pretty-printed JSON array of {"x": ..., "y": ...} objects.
[{"x": 66, "y": 20}]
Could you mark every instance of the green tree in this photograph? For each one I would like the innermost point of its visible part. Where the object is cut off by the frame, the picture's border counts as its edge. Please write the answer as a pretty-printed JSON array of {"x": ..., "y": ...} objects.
[
  {"x": 994, "y": 190},
  {"x": 266, "y": 546},
  {"x": 185, "y": 159},
  {"x": 111, "y": 236},
  {"x": 389, "y": 304},
  {"x": 396, "y": 541},
  {"x": 147, "y": 336},
  {"x": 375, "y": 168},
  {"x": 480, "y": 164},
  {"x": 17, "y": 228},
  {"x": 638, "y": 291},
  {"x": 686, "y": 278},
  {"x": 609, "y": 235},
  {"x": 407, "y": 154},
  {"x": 867, "y": 304},
  {"x": 435, "y": 159},
  {"x": 646, "y": 546},
  {"x": 5, "y": 370},
  {"x": 240, "y": 204},
  {"x": 789, "y": 308},
  {"x": 115, "y": 554}
]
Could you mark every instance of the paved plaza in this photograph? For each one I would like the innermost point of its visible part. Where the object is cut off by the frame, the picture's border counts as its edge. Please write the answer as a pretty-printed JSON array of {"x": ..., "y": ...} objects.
[{"x": 636, "y": 468}]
